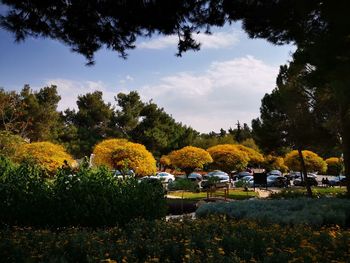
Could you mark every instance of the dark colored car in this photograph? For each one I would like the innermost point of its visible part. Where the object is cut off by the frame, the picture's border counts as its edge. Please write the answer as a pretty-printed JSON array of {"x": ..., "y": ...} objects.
[
  {"x": 277, "y": 181},
  {"x": 337, "y": 181},
  {"x": 312, "y": 181}
]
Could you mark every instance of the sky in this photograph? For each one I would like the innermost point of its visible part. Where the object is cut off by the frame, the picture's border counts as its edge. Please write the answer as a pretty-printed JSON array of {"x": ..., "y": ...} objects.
[{"x": 210, "y": 89}]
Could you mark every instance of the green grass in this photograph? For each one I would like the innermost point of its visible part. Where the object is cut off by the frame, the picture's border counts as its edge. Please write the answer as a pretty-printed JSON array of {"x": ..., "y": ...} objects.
[{"x": 233, "y": 194}]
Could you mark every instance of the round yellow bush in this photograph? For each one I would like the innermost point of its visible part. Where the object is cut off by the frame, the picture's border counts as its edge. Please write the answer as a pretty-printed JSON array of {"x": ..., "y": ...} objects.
[
  {"x": 121, "y": 155},
  {"x": 190, "y": 158},
  {"x": 103, "y": 151},
  {"x": 274, "y": 163},
  {"x": 334, "y": 166},
  {"x": 48, "y": 155},
  {"x": 165, "y": 160},
  {"x": 255, "y": 158},
  {"x": 313, "y": 162},
  {"x": 228, "y": 157}
]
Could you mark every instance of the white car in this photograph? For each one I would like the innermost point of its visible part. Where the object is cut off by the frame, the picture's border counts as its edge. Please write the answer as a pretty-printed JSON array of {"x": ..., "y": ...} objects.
[
  {"x": 165, "y": 177},
  {"x": 195, "y": 177},
  {"x": 220, "y": 175},
  {"x": 246, "y": 180},
  {"x": 296, "y": 175},
  {"x": 274, "y": 172},
  {"x": 118, "y": 174}
]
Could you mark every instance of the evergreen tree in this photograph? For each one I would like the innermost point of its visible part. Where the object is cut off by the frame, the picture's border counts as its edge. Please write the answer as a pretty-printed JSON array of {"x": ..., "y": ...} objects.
[
  {"x": 31, "y": 114},
  {"x": 89, "y": 125}
]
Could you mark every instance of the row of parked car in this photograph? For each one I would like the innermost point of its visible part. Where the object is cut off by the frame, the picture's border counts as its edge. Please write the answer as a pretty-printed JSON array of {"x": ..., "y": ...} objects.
[
  {"x": 275, "y": 178},
  {"x": 203, "y": 181}
]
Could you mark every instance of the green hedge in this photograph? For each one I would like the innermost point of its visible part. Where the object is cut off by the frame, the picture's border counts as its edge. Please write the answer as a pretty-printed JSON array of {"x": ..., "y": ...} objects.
[
  {"x": 317, "y": 192},
  {"x": 75, "y": 198},
  {"x": 210, "y": 240},
  {"x": 315, "y": 212}
]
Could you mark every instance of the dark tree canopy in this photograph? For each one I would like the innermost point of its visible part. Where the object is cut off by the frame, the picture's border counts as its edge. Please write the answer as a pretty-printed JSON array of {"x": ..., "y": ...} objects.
[
  {"x": 93, "y": 121},
  {"x": 30, "y": 114},
  {"x": 86, "y": 26},
  {"x": 296, "y": 115}
]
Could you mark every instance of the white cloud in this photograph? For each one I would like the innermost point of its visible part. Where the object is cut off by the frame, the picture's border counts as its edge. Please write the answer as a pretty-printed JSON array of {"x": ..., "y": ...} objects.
[
  {"x": 213, "y": 41},
  {"x": 216, "y": 98},
  {"x": 69, "y": 90},
  {"x": 129, "y": 78},
  {"x": 209, "y": 100},
  {"x": 126, "y": 79}
]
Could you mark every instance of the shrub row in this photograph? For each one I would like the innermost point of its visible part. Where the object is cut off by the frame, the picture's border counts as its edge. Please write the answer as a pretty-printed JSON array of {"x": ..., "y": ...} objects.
[
  {"x": 209, "y": 240},
  {"x": 314, "y": 212},
  {"x": 75, "y": 198},
  {"x": 317, "y": 192}
]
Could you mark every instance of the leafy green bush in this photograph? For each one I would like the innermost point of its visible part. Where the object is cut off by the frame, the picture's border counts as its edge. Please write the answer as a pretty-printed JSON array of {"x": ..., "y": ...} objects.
[
  {"x": 241, "y": 183},
  {"x": 9, "y": 144},
  {"x": 24, "y": 195},
  {"x": 200, "y": 240},
  {"x": 183, "y": 184},
  {"x": 315, "y": 212},
  {"x": 75, "y": 198}
]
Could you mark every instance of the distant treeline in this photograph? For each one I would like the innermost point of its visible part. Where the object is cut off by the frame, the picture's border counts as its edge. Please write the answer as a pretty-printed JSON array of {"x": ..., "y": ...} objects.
[{"x": 33, "y": 115}]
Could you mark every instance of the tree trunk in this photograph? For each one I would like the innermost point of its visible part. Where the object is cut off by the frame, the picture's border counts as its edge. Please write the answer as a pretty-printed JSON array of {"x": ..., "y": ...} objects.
[
  {"x": 303, "y": 167},
  {"x": 346, "y": 156},
  {"x": 188, "y": 171},
  {"x": 345, "y": 143}
]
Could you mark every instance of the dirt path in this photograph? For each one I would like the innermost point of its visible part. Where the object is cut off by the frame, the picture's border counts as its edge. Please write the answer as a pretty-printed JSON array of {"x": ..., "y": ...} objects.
[{"x": 263, "y": 193}]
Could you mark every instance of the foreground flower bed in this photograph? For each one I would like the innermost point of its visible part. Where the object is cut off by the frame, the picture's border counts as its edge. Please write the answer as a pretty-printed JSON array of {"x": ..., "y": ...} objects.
[{"x": 203, "y": 240}]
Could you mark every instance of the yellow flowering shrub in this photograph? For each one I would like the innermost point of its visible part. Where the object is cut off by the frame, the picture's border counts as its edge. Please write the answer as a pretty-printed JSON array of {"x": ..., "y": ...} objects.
[
  {"x": 334, "y": 166},
  {"x": 255, "y": 158},
  {"x": 165, "y": 160},
  {"x": 120, "y": 154},
  {"x": 272, "y": 162},
  {"x": 48, "y": 155},
  {"x": 313, "y": 162},
  {"x": 190, "y": 158},
  {"x": 228, "y": 157},
  {"x": 103, "y": 151}
]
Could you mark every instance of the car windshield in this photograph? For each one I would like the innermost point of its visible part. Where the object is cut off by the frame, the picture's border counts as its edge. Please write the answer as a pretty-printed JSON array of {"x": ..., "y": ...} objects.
[{"x": 272, "y": 177}]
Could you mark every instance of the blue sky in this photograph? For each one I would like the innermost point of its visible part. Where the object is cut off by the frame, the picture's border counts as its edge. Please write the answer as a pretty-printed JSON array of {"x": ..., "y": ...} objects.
[{"x": 208, "y": 90}]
